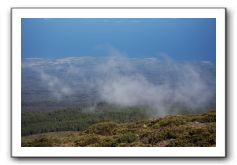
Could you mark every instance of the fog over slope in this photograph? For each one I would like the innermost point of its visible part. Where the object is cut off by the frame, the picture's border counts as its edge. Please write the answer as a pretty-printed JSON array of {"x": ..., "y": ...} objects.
[{"x": 162, "y": 84}]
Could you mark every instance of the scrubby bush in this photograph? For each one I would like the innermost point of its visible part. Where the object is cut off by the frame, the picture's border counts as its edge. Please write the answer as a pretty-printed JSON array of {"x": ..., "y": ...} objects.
[
  {"x": 86, "y": 140},
  {"x": 104, "y": 128},
  {"x": 128, "y": 137},
  {"x": 40, "y": 142},
  {"x": 108, "y": 142},
  {"x": 171, "y": 121}
]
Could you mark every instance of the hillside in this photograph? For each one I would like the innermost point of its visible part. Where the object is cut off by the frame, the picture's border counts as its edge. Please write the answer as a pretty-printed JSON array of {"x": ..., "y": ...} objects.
[
  {"x": 78, "y": 119},
  {"x": 169, "y": 131}
]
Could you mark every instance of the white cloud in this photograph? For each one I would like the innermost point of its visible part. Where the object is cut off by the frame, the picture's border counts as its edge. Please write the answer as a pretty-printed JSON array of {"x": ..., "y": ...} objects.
[{"x": 160, "y": 84}]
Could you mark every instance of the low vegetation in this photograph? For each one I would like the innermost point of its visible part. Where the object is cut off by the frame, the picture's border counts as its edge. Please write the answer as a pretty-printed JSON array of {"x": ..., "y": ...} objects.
[
  {"x": 77, "y": 119},
  {"x": 170, "y": 131}
]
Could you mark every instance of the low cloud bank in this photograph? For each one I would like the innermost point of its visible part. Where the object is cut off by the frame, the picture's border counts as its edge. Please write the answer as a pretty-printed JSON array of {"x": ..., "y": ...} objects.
[{"x": 164, "y": 85}]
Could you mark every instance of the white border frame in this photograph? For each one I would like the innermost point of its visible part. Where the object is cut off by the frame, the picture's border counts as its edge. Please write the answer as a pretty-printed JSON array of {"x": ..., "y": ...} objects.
[{"x": 218, "y": 151}]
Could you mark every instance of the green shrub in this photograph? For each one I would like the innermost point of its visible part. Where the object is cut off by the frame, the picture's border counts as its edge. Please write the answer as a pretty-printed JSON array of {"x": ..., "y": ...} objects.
[
  {"x": 105, "y": 128},
  {"x": 40, "y": 142},
  {"x": 86, "y": 140},
  {"x": 171, "y": 121},
  {"x": 108, "y": 142},
  {"x": 128, "y": 137}
]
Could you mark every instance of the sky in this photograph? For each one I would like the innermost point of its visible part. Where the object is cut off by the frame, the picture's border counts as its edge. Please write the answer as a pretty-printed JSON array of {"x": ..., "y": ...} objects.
[{"x": 189, "y": 39}]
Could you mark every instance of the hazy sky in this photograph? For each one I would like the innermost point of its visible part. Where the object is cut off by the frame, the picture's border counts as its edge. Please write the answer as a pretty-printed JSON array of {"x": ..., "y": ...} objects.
[{"x": 181, "y": 39}]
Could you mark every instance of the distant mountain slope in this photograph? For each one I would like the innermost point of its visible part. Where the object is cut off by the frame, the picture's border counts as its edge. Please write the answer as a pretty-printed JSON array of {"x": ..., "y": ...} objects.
[
  {"x": 78, "y": 119},
  {"x": 171, "y": 131}
]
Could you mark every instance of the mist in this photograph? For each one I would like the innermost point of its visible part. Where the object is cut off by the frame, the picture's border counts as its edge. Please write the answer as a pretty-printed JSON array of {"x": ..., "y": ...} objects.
[
  {"x": 173, "y": 87},
  {"x": 163, "y": 85}
]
